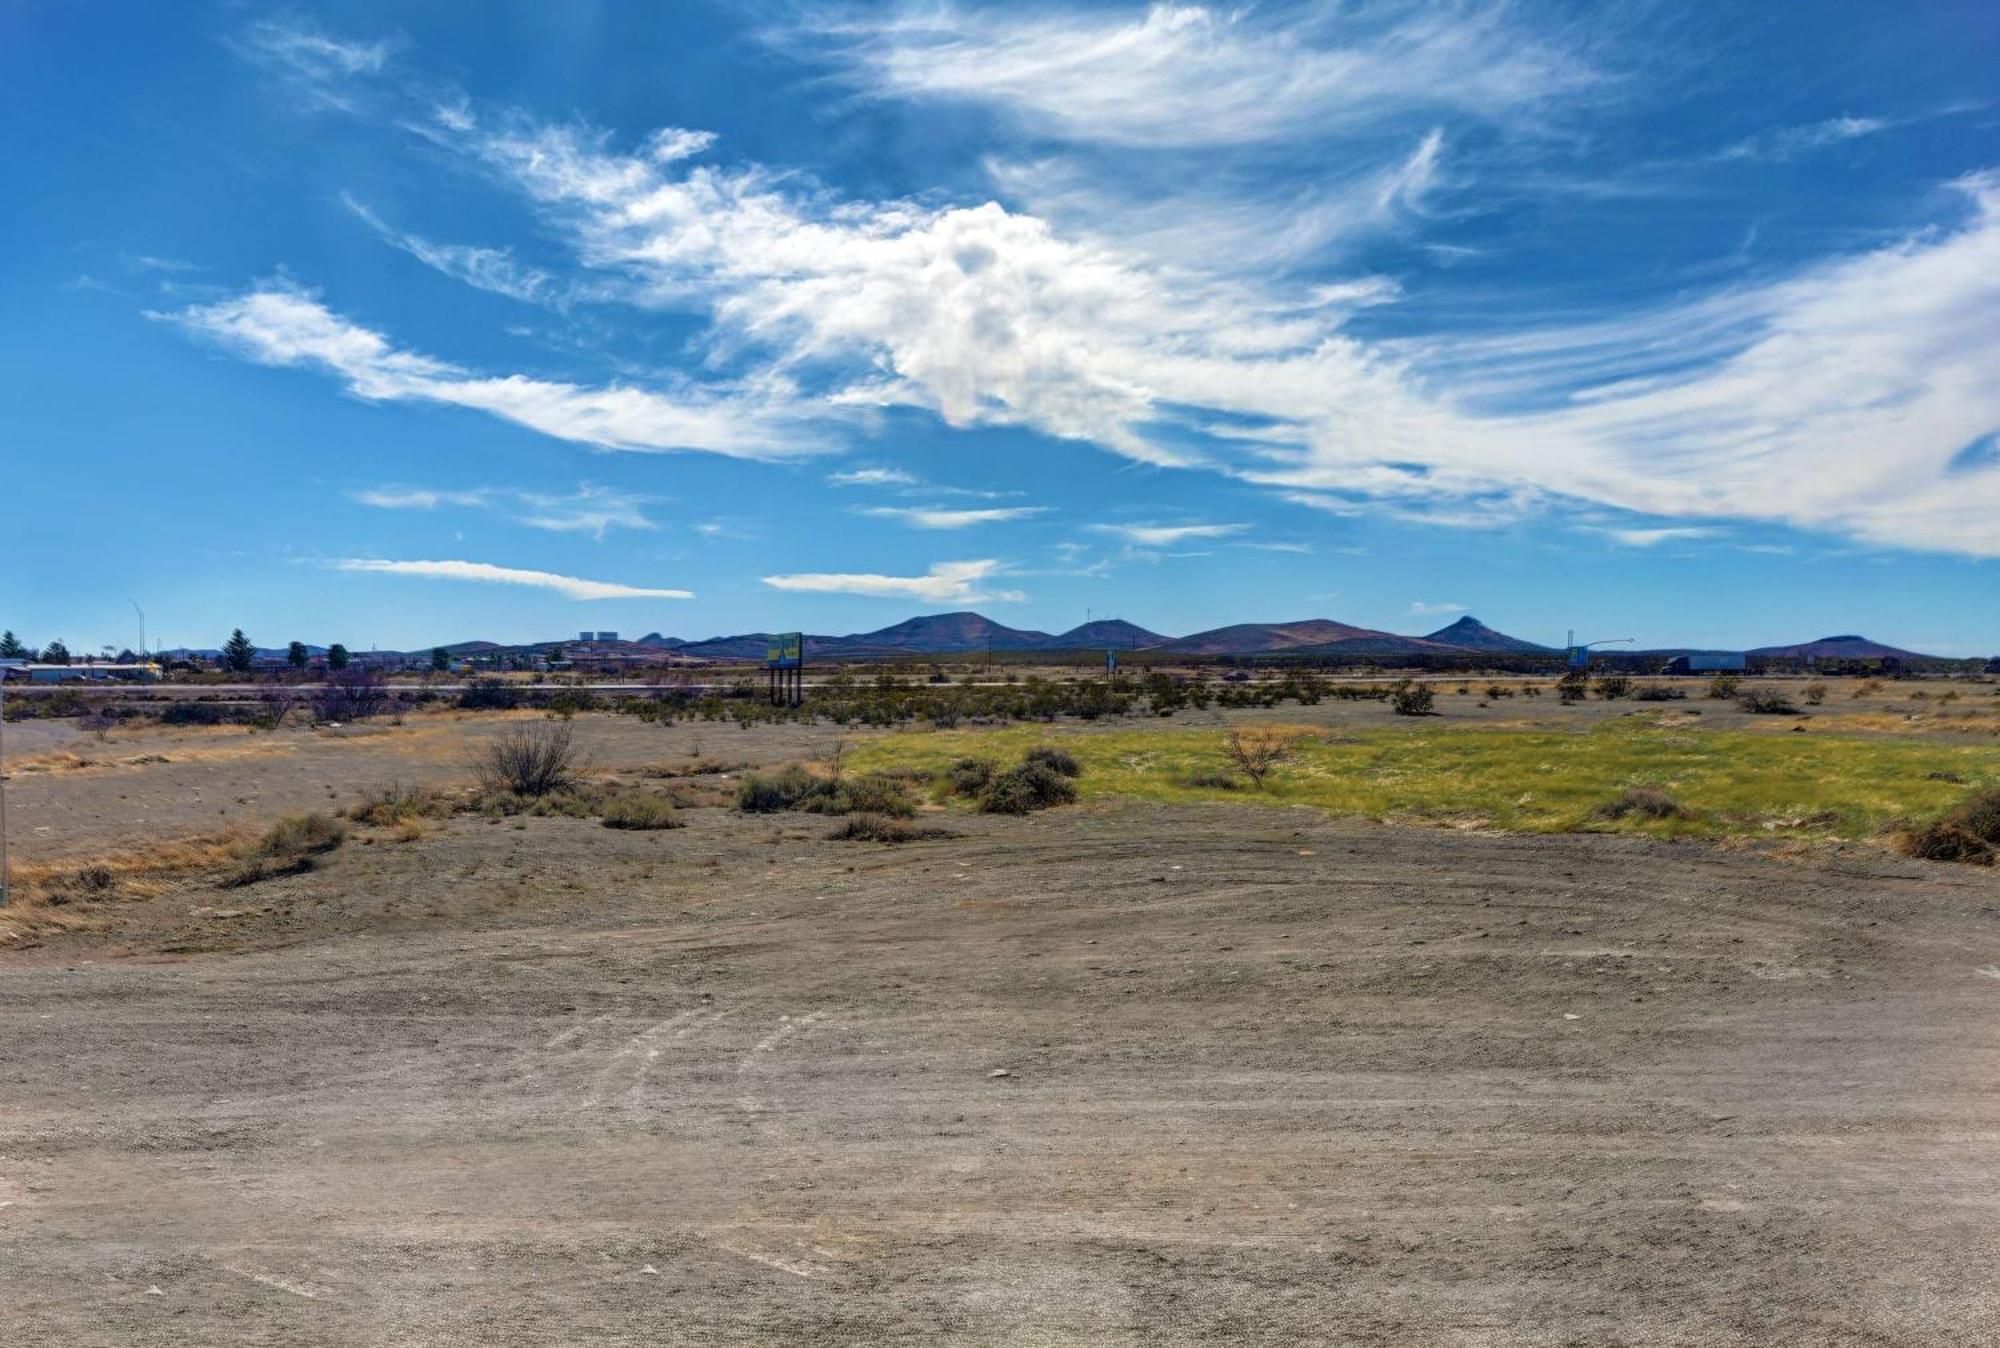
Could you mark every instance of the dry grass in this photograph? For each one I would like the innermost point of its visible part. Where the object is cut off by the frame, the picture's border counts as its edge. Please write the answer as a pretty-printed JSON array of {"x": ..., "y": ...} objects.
[
  {"x": 61, "y": 894},
  {"x": 1969, "y": 831},
  {"x": 290, "y": 846}
]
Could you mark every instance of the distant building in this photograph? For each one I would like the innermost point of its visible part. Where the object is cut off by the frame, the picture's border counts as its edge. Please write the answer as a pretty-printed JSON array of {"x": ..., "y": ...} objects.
[
  {"x": 586, "y": 636},
  {"x": 607, "y": 636},
  {"x": 24, "y": 671},
  {"x": 1708, "y": 662}
]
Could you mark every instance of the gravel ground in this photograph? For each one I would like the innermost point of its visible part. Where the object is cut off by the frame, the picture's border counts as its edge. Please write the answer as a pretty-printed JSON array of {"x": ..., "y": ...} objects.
[{"x": 1121, "y": 1074}]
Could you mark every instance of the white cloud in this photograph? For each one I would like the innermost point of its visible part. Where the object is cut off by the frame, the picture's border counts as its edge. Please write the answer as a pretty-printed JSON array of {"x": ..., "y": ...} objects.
[
  {"x": 571, "y": 586},
  {"x": 1649, "y": 538},
  {"x": 1418, "y": 606},
  {"x": 944, "y": 583},
  {"x": 1182, "y": 75},
  {"x": 872, "y": 477},
  {"x": 1791, "y": 141},
  {"x": 589, "y": 509},
  {"x": 933, "y": 518},
  {"x": 286, "y": 327},
  {"x": 418, "y": 498},
  {"x": 1166, "y": 535},
  {"x": 489, "y": 269}
]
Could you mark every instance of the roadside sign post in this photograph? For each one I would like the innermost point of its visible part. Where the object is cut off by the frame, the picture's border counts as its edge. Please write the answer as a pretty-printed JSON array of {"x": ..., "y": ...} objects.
[{"x": 785, "y": 668}]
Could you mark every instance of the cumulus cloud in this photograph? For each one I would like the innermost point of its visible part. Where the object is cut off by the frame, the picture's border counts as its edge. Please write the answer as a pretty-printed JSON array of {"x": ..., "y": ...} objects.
[
  {"x": 931, "y": 517},
  {"x": 570, "y": 586},
  {"x": 288, "y": 327},
  {"x": 944, "y": 583}
]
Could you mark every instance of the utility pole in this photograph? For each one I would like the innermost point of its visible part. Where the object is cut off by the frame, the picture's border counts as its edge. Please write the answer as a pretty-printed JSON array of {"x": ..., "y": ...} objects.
[
  {"x": 3, "y": 790},
  {"x": 142, "y": 626}
]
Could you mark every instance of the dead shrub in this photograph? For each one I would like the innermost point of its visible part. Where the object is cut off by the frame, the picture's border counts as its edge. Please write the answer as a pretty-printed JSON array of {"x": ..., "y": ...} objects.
[
  {"x": 1767, "y": 702},
  {"x": 529, "y": 759},
  {"x": 1256, "y": 752},
  {"x": 1969, "y": 832},
  {"x": 1211, "y": 781},
  {"x": 877, "y": 829}
]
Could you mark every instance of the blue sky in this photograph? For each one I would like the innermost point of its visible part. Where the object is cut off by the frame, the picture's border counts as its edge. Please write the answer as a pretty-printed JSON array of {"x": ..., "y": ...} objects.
[{"x": 393, "y": 324}]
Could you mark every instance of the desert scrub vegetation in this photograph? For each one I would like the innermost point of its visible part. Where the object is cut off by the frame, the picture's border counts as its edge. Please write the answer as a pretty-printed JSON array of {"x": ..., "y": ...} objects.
[
  {"x": 877, "y": 828},
  {"x": 1256, "y": 751},
  {"x": 1767, "y": 702},
  {"x": 291, "y": 845},
  {"x": 640, "y": 810},
  {"x": 1412, "y": 699},
  {"x": 794, "y": 788},
  {"x": 1642, "y": 802},
  {"x": 1969, "y": 831},
  {"x": 529, "y": 759},
  {"x": 1045, "y": 776},
  {"x": 1730, "y": 782},
  {"x": 393, "y": 803}
]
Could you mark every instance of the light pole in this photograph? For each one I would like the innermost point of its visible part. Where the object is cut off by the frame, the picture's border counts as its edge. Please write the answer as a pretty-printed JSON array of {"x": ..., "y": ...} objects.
[{"x": 142, "y": 626}]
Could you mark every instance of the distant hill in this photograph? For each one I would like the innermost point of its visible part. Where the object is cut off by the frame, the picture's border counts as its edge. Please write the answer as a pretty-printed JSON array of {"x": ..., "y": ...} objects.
[
  {"x": 1265, "y": 638},
  {"x": 941, "y": 634},
  {"x": 1847, "y": 647},
  {"x": 1473, "y": 635},
  {"x": 1111, "y": 634}
]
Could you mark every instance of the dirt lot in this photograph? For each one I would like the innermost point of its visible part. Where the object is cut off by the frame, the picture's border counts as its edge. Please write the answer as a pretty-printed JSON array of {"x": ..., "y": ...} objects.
[{"x": 1119, "y": 1073}]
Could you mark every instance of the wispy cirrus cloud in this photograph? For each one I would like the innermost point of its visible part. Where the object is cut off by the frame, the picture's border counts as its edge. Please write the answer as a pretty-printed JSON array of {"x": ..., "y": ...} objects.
[
  {"x": 491, "y": 269},
  {"x": 289, "y": 327},
  {"x": 1789, "y": 142},
  {"x": 873, "y": 477},
  {"x": 1422, "y": 608},
  {"x": 572, "y": 587},
  {"x": 933, "y": 517},
  {"x": 589, "y": 509},
  {"x": 1182, "y": 75},
  {"x": 944, "y": 583},
  {"x": 1166, "y": 535},
  {"x": 1652, "y": 538}
]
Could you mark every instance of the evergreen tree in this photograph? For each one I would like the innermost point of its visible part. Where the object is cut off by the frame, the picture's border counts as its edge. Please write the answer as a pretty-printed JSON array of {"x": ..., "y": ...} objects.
[
  {"x": 13, "y": 648},
  {"x": 295, "y": 654},
  {"x": 440, "y": 658},
  {"x": 237, "y": 652},
  {"x": 55, "y": 653},
  {"x": 336, "y": 656}
]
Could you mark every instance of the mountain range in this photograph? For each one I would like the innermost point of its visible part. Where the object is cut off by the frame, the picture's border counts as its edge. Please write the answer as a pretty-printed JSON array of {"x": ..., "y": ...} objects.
[{"x": 967, "y": 633}]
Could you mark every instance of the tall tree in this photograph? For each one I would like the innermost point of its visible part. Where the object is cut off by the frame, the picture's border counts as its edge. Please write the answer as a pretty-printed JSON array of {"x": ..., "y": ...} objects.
[
  {"x": 238, "y": 653},
  {"x": 295, "y": 655},
  {"x": 13, "y": 648},
  {"x": 336, "y": 656},
  {"x": 440, "y": 658},
  {"x": 55, "y": 653}
]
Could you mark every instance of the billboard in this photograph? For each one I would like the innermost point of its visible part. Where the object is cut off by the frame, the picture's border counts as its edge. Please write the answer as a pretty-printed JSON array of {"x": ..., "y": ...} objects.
[{"x": 786, "y": 650}]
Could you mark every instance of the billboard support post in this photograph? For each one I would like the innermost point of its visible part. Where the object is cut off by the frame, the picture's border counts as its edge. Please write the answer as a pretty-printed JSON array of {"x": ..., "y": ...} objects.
[{"x": 785, "y": 669}]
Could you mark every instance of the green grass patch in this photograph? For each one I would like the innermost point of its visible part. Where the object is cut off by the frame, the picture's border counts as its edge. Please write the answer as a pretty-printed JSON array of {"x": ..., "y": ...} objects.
[{"x": 1728, "y": 783}]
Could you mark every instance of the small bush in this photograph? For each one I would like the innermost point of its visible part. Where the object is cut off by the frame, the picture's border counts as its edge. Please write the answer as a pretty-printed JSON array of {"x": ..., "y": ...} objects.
[
  {"x": 1815, "y": 693},
  {"x": 1211, "y": 781},
  {"x": 1256, "y": 752},
  {"x": 1767, "y": 702},
  {"x": 641, "y": 810},
  {"x": 969, "y": 776},
  {"x": 1967, "y": 832},
  {"x": 1054, "y": 759},
  {"x": 1612, "y": 687},
  {"x": 289, "y": 847},
  {"x": 1025, "y": 789},
  {"x": 768, "y": 793},
  {"x": 488, "y": 695},
  {"x": 395, "y": 803},
  {"x": 1645, "y": 802},
  {"x": 529, "y": 760},
  {"x": 1658, "y": 692},
  {"x": 1412, "y": 699},
  {"x": 1723, "y": 687},
  {"x": 874, "y": 828}
]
